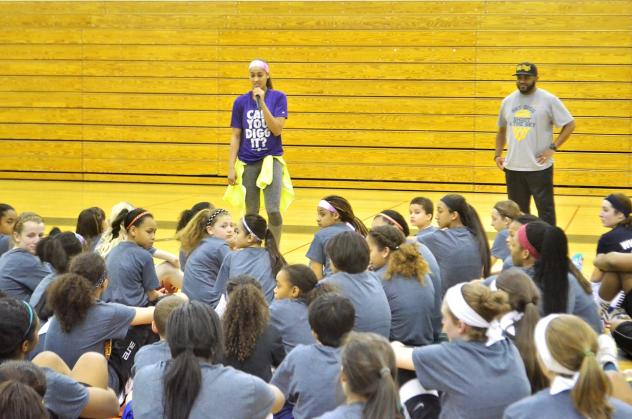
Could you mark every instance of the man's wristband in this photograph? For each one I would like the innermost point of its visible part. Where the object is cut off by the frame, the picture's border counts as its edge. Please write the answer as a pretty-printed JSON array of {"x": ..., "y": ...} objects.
[
  {"x": 495, "y": 157},
  {"x": 553, "y": 147}
]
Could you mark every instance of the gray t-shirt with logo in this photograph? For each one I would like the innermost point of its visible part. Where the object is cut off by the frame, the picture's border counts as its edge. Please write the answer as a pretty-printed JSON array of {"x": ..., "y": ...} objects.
[{"x": 529, "y": 120}]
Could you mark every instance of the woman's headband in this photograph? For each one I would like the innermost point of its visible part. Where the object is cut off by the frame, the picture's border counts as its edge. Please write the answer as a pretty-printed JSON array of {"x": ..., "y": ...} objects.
[
  {"x": 464, "y": 312},
  {"x": 543, "y": 349},
  {"x": 243, "y": 221},
  {"x": 326, "y": 205},
  {"x": 138, "y": 217},
  {"x": 618, "y": 205},
  {"x": 525, "y": 243},
  {"x": 259, "y": 64},
  {"x": 392, "y": 220}
]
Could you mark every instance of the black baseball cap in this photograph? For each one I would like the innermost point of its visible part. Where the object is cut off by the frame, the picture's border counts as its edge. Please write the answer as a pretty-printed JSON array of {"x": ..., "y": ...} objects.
[{"x": 526, "y": 68}]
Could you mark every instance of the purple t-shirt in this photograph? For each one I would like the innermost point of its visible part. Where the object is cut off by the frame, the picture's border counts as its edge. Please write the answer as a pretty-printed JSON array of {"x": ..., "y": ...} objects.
[{"x": 257, "y": 141}]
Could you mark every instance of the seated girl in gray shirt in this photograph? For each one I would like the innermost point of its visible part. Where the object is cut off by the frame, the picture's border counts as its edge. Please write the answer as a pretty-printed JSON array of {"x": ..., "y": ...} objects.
[
  {"x": 334, "y": 215},
  {"x": 82, "y": 322},
  {"x": 479, "y": 372},
  {"x": 461, "y": 246},
  {"x": 65, "y": 397},
  {"x": 252, "y": 345},
  {"x": 20, "y": 270},
  {"x": 262, "y": 263},
  {"x": 288, "y": 311},
  {"x": 205, "y": 243},
  {"x": 405, "y": 279},
  {"x": 567, "y": 348},
  {"x": 193, "y": 384},
  {"x": 349, "y": 254},
  {"x": 130, "y": 266},
  {"x": 309, "y": 376},
  {"x": 368, "y": 378},
  {"x": 503, "y": 213}
]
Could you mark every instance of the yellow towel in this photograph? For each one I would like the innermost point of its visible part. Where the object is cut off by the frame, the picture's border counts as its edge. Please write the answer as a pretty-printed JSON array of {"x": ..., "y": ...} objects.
[{"x": 235, "y": 194}]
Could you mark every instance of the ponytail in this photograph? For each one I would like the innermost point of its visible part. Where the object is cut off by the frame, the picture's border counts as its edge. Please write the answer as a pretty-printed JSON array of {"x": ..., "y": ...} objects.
[
  {"x": 277, "y": 261},
  {"x": 344, "y": 210},
  {"x": 70, "y": 297},
  {"x": 182, "y": 383},
  {"x": 404, "y": 258},
  {"x": 245, "y": 319},
  {"x": 523, "y": 298},
  {"x": 573, "y": 344},
  {"x": 473, "y": 222},
  {"x": 187, "y": 214},
  {"x": 470, "y": 219},
  {"x": 193, "y": 331},
  {"x": 551, "y": 268},
  {"x": 257, "y": 226},
  {"x": 194, "y": 231},
  {"x": 592, "y": 389},
  {"x": 368, "y": 363},
  {"x": 117, "y": 223}
]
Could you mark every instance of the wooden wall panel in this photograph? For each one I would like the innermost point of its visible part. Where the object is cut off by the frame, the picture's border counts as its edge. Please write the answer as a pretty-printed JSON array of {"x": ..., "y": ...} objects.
[{"x": 387, "y": 94}]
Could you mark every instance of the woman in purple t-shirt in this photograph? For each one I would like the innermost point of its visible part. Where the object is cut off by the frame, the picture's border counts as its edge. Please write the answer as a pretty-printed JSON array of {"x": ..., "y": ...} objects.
[{"x": 257, "y": 120}]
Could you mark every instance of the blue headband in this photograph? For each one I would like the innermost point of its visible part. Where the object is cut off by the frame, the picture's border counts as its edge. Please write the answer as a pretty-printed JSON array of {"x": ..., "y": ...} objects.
[
  {"x": 30, "y": 310},
  {"x": 618, "y": 205}
]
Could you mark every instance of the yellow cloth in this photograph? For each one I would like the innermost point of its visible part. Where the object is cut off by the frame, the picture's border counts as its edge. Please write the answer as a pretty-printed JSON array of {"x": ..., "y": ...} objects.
[{"x": 235, "y": 194}]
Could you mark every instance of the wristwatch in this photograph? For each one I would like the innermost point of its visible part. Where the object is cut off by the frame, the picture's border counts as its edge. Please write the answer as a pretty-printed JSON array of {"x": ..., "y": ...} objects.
[{"x": 553, "y": 147}]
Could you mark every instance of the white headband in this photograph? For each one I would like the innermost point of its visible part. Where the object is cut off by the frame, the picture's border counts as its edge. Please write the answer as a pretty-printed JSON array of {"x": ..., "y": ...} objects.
[
  {"x": 243, "y": 220},
  {"x": 326, "y": 205},
  {"x": 559, "y": 384},
  {"x": 462, "y": 311}
]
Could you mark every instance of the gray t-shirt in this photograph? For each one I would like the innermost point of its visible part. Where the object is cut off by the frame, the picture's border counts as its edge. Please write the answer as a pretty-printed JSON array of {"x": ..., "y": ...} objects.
[
  {"x": 225, "y": 393},
  {"x": 289, "y": 318},
  {"x": 316, "y": 251},
  {"x": 253, "y": 261},
  {"x": 583, "y": 304},
  {"x": 64, "y": 396},
  {"x": 151, "y": 354},
  {"x": 20, "y": 273},
  {"x": 529, "y": 120},
  {"x": 38, "y": 293},
  {"x": 364, "y": 289},
  {"x": 132, "y": 274},
  {"x": 412, "y": 308},
  {"x": 310, "y": 375},
  {"x": 457, "y": 253},
  {"x": 499, "y": 249},
  {"x": 202, "y": 267},
  {"x": 103, "y": 322},
  {"x": 477, "y": 381},
  {"x": 345, "y": 411},
  {"x": 543, "y": 405},
  {"x": 5, "y": 243},
  {"x": 435, "y": 277}
]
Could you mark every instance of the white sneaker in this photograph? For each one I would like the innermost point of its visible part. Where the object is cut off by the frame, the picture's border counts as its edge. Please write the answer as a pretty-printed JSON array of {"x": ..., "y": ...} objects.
[{"x": 608, "y": 351}]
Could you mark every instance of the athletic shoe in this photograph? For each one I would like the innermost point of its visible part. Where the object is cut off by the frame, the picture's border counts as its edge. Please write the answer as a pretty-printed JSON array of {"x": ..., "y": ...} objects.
[{"x": 608, "y": 351}]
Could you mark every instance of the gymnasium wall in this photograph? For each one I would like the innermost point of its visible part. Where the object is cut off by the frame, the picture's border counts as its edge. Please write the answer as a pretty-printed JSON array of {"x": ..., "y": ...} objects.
[{"x": 388, "y": 95}]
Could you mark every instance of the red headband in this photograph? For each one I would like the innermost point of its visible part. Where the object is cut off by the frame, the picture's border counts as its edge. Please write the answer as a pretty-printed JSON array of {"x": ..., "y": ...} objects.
[
  {"x": 524, "y": 242},
  {"x": 139, "y": 216}
]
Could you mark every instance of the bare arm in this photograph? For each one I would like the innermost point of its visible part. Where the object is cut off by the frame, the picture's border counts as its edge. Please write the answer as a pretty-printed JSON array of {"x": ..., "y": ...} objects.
[
  {"x": 275, "y": 124},
  {"x": 403, "y": 356},
  {"x": 279, "y": 398},
  {"x": 144, "y": 315},
  {"x": 566, "y": 132},
  {"x": 235, "y": 138},
  {"x": 317, "y": 268},
  {"x": 614, "y": 261},
  {"x": 166, "y": 256},
  {"x": 501, "y": 139}
]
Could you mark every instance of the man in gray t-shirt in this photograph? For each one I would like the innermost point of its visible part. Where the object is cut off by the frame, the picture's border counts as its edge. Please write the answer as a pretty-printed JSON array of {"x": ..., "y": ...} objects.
[{"x": 525, "y": 124}]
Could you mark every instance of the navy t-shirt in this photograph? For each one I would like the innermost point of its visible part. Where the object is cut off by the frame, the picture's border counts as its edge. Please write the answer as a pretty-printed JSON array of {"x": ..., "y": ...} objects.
[
  {"x": 619, "y": 239},
  {"x": 257, "y": 141}
]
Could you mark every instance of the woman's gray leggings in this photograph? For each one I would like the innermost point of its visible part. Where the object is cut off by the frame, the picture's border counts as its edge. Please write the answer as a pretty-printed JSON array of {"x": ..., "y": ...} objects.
[{"x": 271, "y": 194}]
